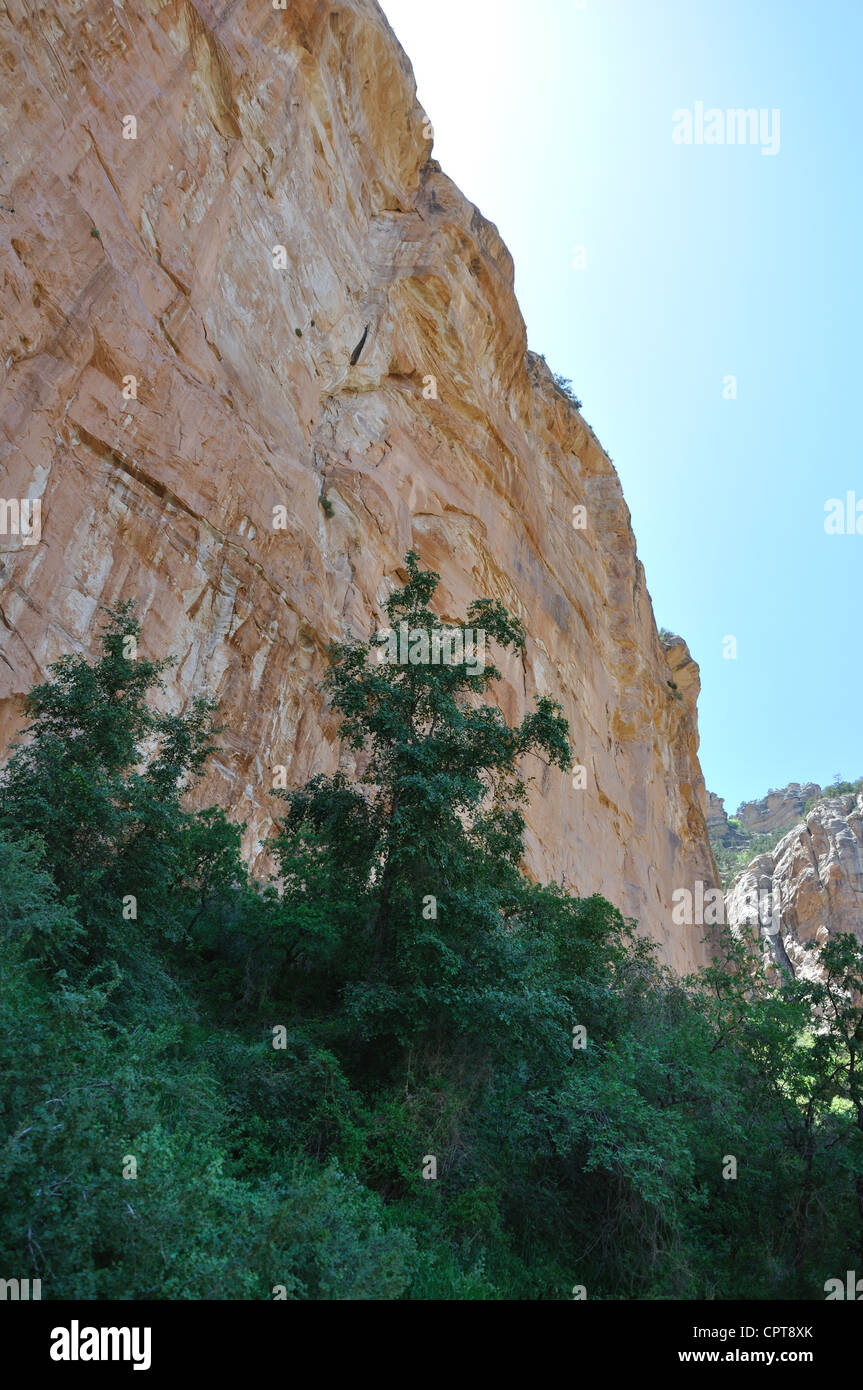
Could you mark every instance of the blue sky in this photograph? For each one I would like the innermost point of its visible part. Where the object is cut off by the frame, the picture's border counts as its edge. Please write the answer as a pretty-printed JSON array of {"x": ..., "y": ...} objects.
[{"x": 703, "y": 261}]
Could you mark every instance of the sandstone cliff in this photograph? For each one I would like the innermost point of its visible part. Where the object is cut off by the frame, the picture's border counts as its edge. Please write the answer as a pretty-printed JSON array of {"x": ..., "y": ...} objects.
[
  {"x": 809, "y": 886},
  {"x": 204, "y": 207}
]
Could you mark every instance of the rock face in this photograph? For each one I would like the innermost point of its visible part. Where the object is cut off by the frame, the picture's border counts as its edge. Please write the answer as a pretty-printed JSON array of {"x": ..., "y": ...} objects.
[
  {"x": 718, "y": 828},
  {"x": 237, "y": 287},
  {"x": 777, "y": 809},
  {"x": 810, "y": 885}
]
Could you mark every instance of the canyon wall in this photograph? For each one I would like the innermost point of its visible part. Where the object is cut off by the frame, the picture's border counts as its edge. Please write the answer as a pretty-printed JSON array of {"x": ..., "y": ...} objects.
[{"x": 205, "y": 209}]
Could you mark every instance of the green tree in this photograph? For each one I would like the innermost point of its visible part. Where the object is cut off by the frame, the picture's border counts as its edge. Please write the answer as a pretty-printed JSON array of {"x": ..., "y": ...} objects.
[
  {"x": 400, "y": 887},
  {"x": 99, "y": 779}
]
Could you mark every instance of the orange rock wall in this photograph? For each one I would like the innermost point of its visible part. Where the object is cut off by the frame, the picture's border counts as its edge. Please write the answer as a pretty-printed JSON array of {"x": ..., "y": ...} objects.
[{"x": 153, "y": 258}]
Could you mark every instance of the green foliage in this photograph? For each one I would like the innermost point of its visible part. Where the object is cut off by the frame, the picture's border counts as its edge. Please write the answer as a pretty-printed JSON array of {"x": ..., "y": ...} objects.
[
  {"x": 109, "y": 815},
  {"x": 564, "y": 384},
  {"x": 282, "y": 1060},
  {"x": 732, "y": 858}
]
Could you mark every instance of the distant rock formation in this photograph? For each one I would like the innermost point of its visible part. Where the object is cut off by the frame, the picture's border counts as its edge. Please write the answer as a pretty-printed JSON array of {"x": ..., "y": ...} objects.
[
  {"x": 807, "y": 888},
  {"x": 777, "y": 809},
  {"x": 718, "y": 828}
]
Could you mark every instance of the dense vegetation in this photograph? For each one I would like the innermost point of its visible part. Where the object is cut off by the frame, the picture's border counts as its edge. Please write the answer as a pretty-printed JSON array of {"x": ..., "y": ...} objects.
[{"x": 285, "y": 1066}]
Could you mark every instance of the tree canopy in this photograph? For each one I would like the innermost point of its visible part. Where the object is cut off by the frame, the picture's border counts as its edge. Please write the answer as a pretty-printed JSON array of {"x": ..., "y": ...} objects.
[{"x": 400, "y": 1068}]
